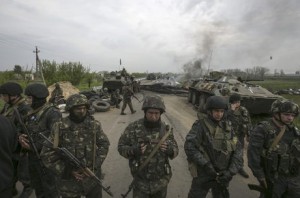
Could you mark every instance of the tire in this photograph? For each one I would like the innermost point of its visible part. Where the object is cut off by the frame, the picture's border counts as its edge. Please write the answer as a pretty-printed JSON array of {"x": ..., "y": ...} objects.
[
  {"x": 202, "y": 102},
  {"x": 101, "y": 106},
  {"x": 194, "y": 98},
  {"x": 190, "y": 96}
]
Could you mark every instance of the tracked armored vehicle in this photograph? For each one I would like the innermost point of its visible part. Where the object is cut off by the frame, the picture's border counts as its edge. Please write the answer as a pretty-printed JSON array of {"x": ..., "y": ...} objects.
[{"x": 255, "y": 98}]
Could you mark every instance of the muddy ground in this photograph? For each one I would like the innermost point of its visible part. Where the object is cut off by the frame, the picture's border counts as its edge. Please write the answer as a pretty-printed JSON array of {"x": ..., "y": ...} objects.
[{"x": 180, "y": 115}]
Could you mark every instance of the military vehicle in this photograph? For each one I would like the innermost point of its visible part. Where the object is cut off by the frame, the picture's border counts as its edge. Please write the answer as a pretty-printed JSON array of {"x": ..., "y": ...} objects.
[
  {"x": 114, "y": 81},
  {"x": 255, "y": 98}
]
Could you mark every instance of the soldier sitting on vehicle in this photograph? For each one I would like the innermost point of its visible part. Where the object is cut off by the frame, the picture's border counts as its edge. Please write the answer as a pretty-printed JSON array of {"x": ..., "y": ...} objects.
[{"x": 57, "y": 96}]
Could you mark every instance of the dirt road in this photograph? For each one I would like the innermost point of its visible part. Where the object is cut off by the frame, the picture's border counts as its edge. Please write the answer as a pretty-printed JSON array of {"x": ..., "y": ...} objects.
[{"x": 180, "y": 115}]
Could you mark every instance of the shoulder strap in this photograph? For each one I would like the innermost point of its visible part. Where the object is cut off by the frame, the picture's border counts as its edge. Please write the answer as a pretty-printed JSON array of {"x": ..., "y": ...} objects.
[{"x": 277, "y": 138}]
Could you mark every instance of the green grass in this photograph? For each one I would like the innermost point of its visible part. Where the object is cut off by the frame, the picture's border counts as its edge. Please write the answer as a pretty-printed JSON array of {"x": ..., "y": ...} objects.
[{"x": 275, "y": 85}]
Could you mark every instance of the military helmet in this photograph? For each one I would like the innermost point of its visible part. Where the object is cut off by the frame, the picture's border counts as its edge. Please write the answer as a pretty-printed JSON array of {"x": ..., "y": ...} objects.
[
  {"x": 105, "y": 89},
  {"x": 216, "y": 102},
  {"x": 37, "y": 90},
  {"x": 284, "y": 106},
  {"x": 234, "y": 98},
  {"x": 76, "y": 100},
  {"x": 224, "y": 91},
  {"x": 154, "y": 102},
  {"x": 11, "y": 88}
]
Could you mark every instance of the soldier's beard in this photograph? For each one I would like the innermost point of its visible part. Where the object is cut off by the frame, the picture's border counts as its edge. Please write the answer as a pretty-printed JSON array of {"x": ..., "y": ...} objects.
[
  {"x": 151, "y": 124},
  {"x": 77, "y": 118}
]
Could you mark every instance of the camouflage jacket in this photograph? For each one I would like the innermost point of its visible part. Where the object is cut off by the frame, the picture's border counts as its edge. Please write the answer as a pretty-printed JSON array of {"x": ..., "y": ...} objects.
[
  {"x": 87, "y": 142},
  {"x": 127, "y": 93},
  {"x": 157, "y": 173},
  {"x": 40, "y": 121},
  {"x": 215, "y": 143},
  {"x": 241, "y": 121},
  {"x": 284, "y": 159}
]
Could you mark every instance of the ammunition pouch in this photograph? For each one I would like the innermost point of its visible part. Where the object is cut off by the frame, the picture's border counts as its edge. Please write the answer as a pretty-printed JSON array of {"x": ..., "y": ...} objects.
[
  {"x": 284, "y": 164},
  {"x": 134, "y": 166},
  {"x": 168, "y": 170}
]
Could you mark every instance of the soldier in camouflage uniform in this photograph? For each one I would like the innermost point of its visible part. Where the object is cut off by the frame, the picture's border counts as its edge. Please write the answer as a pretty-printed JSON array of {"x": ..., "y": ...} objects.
[
  {"x": 127, "y": 93},
  {"x": 56, "y": 94},
  {"x": 83, "y": 136},
  {"x": 11, "y": 94},
  {"x": 274, "y": 151},
  {"x": 116, "y": 98},
  {"x": 241, "y": 122},
  {"x": 139, "y": 140},
  {"x": 214, "y": 153},
  {"x": 39, "y": 120}
]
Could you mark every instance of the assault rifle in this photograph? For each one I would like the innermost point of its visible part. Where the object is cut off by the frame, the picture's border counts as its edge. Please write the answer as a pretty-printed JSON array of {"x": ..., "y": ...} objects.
[
  {"x": 78, "y": 164},
  {"x": 31, "y": 141},
  {"x": 136, "y": 98}
]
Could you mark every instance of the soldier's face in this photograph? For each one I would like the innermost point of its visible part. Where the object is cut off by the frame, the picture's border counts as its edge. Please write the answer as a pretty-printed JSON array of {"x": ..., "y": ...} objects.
[
  {"x": 217, "y": 114},
  {"x": 29, "y": 100},
  {"x": 152, "y": 115},
  {"x": 80, "y": 111},
  {"x": 287, "y": 118},
  {"x": 235, "y": 105}
]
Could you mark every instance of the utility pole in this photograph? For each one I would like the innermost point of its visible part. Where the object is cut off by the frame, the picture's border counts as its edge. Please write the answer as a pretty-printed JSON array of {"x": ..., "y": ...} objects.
[{"x": 37, "y": 68}]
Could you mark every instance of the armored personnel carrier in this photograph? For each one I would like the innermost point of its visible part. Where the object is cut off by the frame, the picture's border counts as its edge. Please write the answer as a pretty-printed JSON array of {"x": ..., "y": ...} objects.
[
  {"x": 255, "y": 98},
  {"x": 114, "y": 81}
]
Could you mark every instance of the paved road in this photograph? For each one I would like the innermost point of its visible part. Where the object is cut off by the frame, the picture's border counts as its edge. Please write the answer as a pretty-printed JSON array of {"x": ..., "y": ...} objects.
[{"x": 181, "y": 116}]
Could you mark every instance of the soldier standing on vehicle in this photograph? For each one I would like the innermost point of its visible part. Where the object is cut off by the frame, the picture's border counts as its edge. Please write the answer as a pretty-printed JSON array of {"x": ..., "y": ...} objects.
[
  {"x": 83, "y": 136},
  {"x": 8, "y": 144},
  {"x": 149, "y": 143},
  {"x": 213, "y": 152},
  {"x": 274, "y": 151},
  {"x": 127, "y": 93},
  {"x": 11, "y": 94},
  {"x": 56, "y": 94},
  {"x": 39, "y": 120},
  {"x": 241, "y": 122}
]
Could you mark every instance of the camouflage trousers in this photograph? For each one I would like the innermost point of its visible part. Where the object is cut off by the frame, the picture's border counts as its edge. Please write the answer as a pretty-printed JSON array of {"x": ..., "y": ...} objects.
[
  {"x": 140, "y": 194},
  {"x": 125, "y": 102},
  {"x": 43, "y": 182},
  {"x": 96, "y": 192},
  {"x": 201, "y": 186},
  {"x": 286, "y": 186}
]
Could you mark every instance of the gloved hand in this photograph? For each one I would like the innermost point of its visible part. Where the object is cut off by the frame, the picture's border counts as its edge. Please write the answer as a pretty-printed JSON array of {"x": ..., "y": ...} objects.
[
  {"x": 136, "y": 149},
  {"x": 224, "y": 177},
  {"x": 210, "y": 170}
]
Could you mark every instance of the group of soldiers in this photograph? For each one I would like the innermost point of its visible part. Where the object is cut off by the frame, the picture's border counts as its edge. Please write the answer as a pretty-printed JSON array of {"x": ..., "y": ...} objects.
[{"x": 64, "y": 155}]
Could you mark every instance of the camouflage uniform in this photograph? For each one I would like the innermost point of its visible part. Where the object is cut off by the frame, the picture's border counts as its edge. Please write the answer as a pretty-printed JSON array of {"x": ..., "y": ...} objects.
[
  {"x": 116, "y": 98},
  {"x": 213, "y": 152},
  {"x": 87, "y": 142},
  {"x": 127, "y": 93},
  {"x": 56, "y": 94},
  {"x": 153, "y": 180},
  {"x": 241, "y": 124},
  {"x": 40, "y": 120},
  {"x": 20, "y": 157},
  {"x": 277, "y": 167}
]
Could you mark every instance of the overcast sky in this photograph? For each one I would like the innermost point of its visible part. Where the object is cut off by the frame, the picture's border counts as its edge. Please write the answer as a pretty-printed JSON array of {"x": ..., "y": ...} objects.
[{"x": 152, "y": 35}]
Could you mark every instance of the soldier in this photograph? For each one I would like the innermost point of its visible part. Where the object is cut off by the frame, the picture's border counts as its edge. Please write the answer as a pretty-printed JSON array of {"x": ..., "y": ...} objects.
[
  {"x": 8, "y": 144},
  {"x": 83, "y": 136},
  {"x": 39, "y": 120},
  {"x": 127, "y": 93},
  {"x": 213, "y": 152},
  {"x": 11, "y": 94},
  {"x": 241, "y": 122},
  {"x": 116, "y": 98},
  {"x": 144, "y": 138},
  {"x": 105, "y": 94},
  {"x": 274, "y": 151},
  {"x": 56, "y": 94}
]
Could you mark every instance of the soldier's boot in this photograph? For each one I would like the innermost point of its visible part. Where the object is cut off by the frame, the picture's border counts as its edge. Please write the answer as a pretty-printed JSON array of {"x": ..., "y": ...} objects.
[
  {"x": 243, "y": 173},
  {"x": 131, "y": 108},
  {"x": 133, "y": 111},
  {"x": 122, "y": 113},
  {"x": 27, "y": 191}
]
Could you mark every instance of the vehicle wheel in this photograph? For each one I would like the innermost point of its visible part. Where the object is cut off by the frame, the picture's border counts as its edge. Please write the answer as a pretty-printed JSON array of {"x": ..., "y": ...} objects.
[
  {"x": 101, "y": 106},
  {"x": 190, "y": 96},
  {"x": 202, "y": 101},
  {"x": 194, "y": 98}
]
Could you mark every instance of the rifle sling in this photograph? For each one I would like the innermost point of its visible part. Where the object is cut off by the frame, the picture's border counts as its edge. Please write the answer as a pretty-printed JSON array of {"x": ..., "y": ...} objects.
[
  {"x": 278, "y": 138},
  {"x": 153, "y": 152}
]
